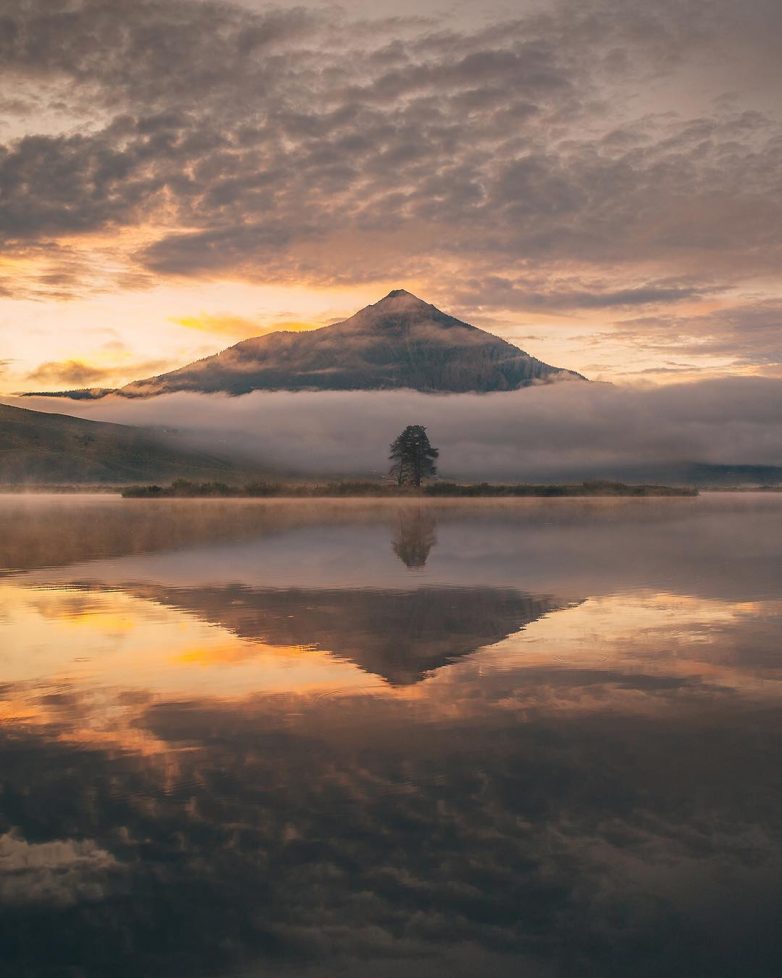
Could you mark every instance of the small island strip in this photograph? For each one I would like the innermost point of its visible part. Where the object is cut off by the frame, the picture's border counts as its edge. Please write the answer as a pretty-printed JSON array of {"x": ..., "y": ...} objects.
[{"x": 184, "y": 489}]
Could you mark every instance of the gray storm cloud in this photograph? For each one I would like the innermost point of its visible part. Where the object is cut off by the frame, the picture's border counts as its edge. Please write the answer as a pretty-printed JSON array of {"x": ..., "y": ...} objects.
[{"x": 562, "y": 430}]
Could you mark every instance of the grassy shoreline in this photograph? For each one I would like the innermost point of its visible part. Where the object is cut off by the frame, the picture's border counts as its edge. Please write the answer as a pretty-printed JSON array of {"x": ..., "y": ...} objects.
[{"x": 183, "y": 489}]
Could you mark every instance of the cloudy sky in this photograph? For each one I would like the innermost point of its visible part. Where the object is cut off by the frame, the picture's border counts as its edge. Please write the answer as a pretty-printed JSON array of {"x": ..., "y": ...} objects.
[{"x": 599, "y": 181}]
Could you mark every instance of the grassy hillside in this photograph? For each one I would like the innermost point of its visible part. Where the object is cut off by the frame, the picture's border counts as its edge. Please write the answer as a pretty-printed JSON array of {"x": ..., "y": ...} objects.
[{"x": 41, "y": 449}]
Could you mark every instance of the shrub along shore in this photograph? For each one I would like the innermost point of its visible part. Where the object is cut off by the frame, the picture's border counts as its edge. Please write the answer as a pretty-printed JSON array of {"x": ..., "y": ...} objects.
[{"x": 183, "y": 489}]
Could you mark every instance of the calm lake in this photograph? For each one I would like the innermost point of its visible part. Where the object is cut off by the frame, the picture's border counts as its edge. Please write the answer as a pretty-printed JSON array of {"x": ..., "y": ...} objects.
[{"x": 370, "y": 739}]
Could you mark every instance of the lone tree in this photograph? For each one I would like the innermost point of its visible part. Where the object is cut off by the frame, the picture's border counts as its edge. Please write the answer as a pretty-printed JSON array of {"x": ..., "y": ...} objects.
[{"x": 412, "y": 456}]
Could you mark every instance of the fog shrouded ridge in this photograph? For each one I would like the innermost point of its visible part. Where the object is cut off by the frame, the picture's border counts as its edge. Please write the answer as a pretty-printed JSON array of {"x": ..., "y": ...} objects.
[{"x": 559, "y": 431}]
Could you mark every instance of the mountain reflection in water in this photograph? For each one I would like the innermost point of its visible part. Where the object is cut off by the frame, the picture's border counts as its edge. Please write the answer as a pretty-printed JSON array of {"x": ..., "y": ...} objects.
[{"x": 264, "y": 738}]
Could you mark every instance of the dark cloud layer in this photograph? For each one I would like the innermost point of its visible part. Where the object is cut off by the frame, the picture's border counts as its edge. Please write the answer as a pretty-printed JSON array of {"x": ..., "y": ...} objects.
[{"x": 295, "y": 144}]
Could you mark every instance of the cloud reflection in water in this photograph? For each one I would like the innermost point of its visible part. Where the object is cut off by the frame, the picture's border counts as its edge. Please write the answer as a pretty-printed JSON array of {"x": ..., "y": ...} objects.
[{"x": 447, "y": 768}]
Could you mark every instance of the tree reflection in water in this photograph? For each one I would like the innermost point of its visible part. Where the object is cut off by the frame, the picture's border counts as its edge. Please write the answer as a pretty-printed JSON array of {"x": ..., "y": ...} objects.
[{"x": 414, "y": 536}]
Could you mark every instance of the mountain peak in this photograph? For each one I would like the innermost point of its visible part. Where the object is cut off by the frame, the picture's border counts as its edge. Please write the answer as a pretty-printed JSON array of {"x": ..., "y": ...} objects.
[
  {"x": 401, "y": 298},
  {"x": 399, "y": 305},
  {"x": 399, "y": 342}
]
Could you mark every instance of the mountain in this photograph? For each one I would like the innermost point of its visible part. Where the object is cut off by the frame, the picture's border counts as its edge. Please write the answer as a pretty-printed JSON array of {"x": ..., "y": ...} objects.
[
  {"x": 399, "y": 342},
  {"x": 38, "y": 448}
]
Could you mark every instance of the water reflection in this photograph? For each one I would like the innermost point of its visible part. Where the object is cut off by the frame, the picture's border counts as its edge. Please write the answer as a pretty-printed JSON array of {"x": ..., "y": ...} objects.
[
  {"x": 276, "y": 739},
  {"x": 397, "y": 635},
  {"x": 414, "y": 537}
]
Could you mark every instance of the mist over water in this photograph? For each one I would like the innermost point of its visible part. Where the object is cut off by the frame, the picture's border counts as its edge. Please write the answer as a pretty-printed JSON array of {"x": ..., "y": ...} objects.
[
  {"x": 253, "y": 738},
  {"x": 558, "y": 431}
]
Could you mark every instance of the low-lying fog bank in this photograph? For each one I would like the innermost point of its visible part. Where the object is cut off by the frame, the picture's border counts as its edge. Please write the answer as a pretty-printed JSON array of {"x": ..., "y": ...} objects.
[{"x": 561, "y": 431}]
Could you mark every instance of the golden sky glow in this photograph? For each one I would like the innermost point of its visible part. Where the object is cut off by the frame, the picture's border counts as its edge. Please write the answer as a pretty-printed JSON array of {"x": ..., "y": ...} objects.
[{"x": 235, "y": 327}]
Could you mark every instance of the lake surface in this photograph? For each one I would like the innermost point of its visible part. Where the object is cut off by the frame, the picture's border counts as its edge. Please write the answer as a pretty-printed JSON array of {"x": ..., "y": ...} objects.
[{"x": 366, "y": 739}]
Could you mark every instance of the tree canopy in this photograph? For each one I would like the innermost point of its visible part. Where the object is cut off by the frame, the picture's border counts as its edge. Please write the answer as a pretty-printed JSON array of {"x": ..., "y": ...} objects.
[{"x": 413, "y": 456}]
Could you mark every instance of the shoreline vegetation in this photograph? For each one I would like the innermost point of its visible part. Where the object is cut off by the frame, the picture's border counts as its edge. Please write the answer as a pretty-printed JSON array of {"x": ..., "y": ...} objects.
[{"x": 184, "y": 489}]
